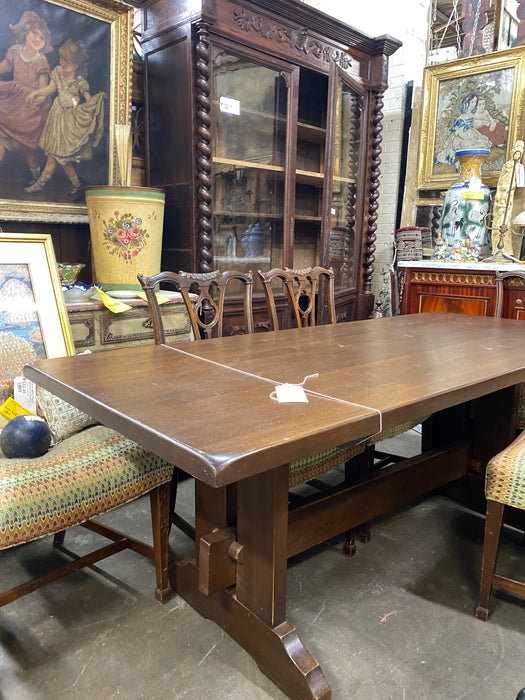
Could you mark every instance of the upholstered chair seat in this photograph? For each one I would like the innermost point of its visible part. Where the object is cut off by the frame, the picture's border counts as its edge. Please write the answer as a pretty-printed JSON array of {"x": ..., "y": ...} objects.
[{"x": 87, "y": 474}]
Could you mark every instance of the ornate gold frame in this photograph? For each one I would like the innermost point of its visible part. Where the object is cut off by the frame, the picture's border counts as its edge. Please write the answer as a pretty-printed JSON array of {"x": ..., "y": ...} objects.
[
  {"x": 463, "y": 76},
  {"x": 120, "y": 19},
  {"x": 33, "y": 252}
]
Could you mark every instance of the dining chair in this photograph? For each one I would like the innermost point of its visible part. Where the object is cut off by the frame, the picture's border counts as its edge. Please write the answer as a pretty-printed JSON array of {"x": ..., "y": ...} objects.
[
  {"x": 204, "y": 296},
  {"x": 302, "y": 287},
  {"x": 504, "y": 486},
  {"x": 82, "y": 476},
  {"x": 303, "y": 293}
]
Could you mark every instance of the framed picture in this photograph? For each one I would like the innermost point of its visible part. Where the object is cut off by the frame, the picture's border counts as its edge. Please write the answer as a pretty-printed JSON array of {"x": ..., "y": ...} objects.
[
  {"x": 470, "y": 103},
  {"x": 33, "y": 317},
  {"x": 65, "y": 82}
]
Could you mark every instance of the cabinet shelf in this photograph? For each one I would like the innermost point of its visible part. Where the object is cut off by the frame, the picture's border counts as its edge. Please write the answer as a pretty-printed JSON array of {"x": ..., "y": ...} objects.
[
  {"x": 315, "y": 219},
  {"x": 308, "y": 132},
  {"x": 218, "y": 161},
  {"x": 309, "y": 177},
  {"x": 239, "y": 260},
  {"x": 246, "y": 214}
]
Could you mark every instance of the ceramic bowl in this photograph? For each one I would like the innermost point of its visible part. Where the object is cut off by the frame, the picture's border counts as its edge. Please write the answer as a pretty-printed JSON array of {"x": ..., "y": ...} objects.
[{"x": 78, "y": 292}]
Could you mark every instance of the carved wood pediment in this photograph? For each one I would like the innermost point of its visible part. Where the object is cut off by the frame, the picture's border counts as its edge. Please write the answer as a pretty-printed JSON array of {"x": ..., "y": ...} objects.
[{"x": 297, "y": 39}]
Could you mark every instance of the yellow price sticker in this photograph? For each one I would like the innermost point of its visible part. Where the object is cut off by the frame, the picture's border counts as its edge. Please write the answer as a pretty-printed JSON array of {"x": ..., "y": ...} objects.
[
  {"x": 475, "y": 194},
  {"x": 160, "y": 298},
  {"x": 113, "y": 305},
  {"x": 11, "y": 409}
]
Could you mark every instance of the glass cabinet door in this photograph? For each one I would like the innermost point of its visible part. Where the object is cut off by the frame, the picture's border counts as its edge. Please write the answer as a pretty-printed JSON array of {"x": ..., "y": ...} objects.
[
  {"x": 344, "y": 190},
  {"x": 309, "y": 173},
  {"x": 249, "y": 125}
]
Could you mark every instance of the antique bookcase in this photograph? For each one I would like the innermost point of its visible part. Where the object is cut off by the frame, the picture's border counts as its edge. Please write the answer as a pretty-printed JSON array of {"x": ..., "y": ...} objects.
[{"x": 263, "y": 125}]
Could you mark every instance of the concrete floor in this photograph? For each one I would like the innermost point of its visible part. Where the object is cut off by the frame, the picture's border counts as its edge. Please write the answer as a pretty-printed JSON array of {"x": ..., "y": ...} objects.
[{"x": 394, "y": 622}]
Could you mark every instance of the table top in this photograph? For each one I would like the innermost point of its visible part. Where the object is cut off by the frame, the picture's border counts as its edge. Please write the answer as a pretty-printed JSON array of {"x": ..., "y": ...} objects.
[{"x": 206, "y": 406}]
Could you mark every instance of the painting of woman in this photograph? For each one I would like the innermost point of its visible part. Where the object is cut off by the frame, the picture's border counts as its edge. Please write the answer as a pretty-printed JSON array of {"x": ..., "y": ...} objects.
[
  {"x": 21, "y": 123},
  {"x": 464, "y": 133}
]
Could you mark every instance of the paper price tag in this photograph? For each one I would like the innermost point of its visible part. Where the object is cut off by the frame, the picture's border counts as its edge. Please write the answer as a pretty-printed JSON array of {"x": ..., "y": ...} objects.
[
  {"x": 160, "y": 298},
  {"x": 11, "y": 409},
  {"x": 290, "y": 393},
  {"x": 113, "y": 305},
  {"x": 25, "y": 393}
]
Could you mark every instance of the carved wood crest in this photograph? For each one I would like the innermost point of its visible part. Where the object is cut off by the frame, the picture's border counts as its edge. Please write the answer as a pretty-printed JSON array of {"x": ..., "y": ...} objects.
[{"x": 297, "y": 39}]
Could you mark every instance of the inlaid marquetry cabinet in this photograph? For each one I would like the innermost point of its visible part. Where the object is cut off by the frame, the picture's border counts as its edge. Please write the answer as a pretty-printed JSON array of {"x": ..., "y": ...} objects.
[
  {"x": 263, "y": 125},
  {"x": 459, "y": 288}
]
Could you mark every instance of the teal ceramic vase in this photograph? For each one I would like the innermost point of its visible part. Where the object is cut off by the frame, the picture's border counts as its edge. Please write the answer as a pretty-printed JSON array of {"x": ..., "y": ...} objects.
[{"x": 466, "y": 205}]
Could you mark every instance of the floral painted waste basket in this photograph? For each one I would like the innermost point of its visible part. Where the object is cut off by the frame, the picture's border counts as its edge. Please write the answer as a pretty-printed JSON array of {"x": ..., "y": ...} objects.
[{"x": 126, "y": 233}]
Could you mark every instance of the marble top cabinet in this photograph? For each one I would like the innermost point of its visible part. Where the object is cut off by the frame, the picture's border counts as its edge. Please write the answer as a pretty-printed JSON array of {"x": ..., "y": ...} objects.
[{"x": 467, "y": 288}]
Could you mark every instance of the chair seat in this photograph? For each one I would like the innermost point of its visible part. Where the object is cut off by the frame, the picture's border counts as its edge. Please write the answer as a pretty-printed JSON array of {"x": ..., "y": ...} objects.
[
  {"x": 395, "y": 431},
  {"x": 302, "y": 470},
  {"x": 505, "y": 475},
  {"x": 85, "y": 475}
]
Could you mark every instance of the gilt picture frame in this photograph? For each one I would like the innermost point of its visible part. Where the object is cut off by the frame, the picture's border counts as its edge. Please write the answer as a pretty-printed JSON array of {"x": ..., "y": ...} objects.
[
  {"x": 93, "y": 38},
  {"x": 470, "y": 103},
  {"x": 33, "y": 315}
]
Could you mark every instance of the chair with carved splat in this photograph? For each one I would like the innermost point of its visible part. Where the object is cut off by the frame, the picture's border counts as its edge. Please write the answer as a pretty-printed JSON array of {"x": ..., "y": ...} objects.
[
  {"x": 204, "y": 295},
  {"x": 303, "y": 289}
]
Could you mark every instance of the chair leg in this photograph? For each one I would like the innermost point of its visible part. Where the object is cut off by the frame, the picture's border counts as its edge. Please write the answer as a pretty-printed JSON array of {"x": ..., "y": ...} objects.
[
  {"x": 349, "y": 547},
  {"x": 493, "y": 524},
  {"x": 59, "y": 537},
  {"x": 160, "y": 520}
]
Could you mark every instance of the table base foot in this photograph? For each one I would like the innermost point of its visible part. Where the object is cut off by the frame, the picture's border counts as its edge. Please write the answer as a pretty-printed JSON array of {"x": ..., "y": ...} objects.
[{"x": 277, "y": 651}]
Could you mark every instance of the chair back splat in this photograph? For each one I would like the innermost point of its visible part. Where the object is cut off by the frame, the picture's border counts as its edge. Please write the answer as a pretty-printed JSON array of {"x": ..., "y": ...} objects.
[
  {"x": 302, "y": 287},
  {"x": 204, "y": 296}
]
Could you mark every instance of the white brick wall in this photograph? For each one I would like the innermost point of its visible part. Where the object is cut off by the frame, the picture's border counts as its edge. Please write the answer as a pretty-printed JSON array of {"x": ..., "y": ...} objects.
[{"x": 388, "y": 17}]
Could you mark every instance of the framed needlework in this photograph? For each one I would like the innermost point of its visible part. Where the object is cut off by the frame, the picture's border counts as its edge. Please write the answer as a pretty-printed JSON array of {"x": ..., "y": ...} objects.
[
  {"x": 470, "y": 103},
  {"x": 65, "y": 82},
  {"x": 33, "y": 317}
]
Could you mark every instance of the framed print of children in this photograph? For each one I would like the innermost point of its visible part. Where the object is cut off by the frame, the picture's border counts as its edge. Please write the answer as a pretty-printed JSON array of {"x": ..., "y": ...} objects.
[
  {"x": 21, "y": 124},
  {"x": 75, "y": 123}
]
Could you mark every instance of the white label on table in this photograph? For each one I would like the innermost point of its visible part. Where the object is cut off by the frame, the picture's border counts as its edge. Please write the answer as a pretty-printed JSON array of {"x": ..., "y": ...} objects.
[
  {"x": 229, "y": 105},
  {"x": 290, "y": 393}
]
